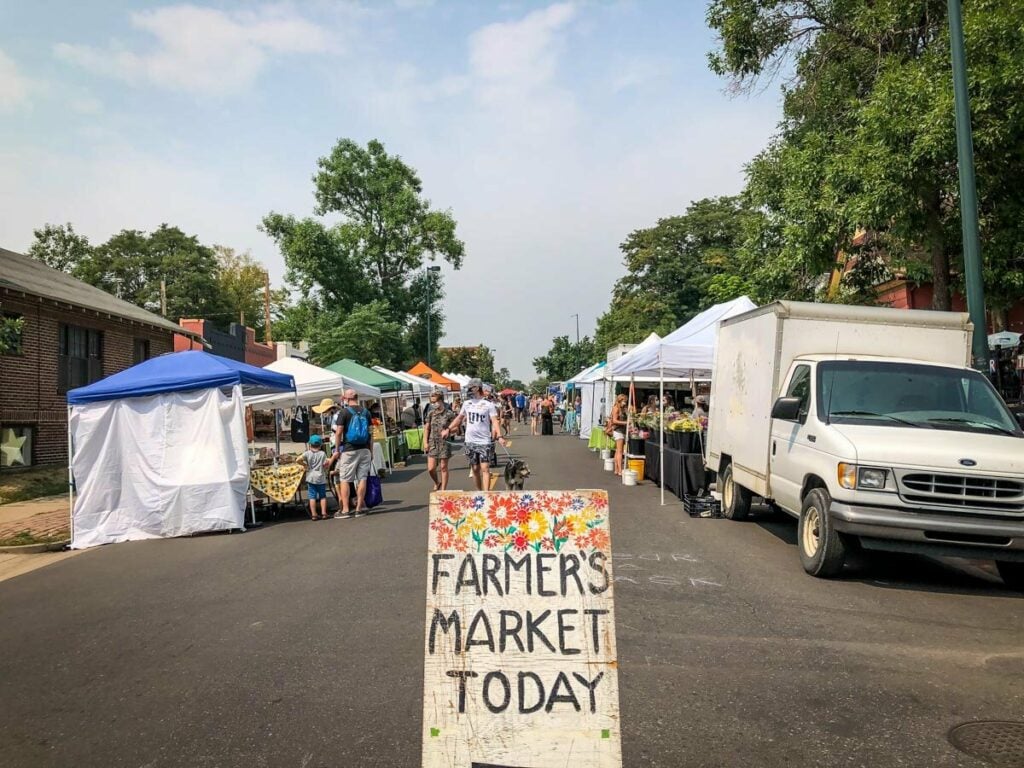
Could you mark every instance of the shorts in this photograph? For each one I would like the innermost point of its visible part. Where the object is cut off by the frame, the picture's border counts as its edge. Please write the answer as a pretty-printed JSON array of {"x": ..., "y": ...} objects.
[
  {"x": 354, "y": 465},
  {"x": 316, "y": 491},
  {"x": 439, "y": 450},
  {"x": 480, "y": 453},
  {"x": 616, "y": 435}
]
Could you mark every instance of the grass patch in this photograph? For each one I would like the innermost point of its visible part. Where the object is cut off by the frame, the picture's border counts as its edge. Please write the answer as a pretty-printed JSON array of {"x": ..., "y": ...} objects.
[
  {"x": 23, "y": 538},
  {"x": 32, "y": 483}
]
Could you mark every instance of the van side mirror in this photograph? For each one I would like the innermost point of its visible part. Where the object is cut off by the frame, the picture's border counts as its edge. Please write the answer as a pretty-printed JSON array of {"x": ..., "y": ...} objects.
[{"x": 787, "y": 408}]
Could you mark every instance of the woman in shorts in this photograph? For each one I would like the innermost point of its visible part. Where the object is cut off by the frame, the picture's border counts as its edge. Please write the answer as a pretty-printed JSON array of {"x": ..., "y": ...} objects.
[
  {"x": 438, "y": 451},
  {"x": 618, "y": 420}
]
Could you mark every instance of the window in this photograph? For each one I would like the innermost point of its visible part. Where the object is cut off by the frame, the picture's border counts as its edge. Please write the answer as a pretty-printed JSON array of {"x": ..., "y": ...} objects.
[
  {"x": 15, "y": 446},
  {"x": 800, "y": 386},
  {"x": 80, "y": 357},
  {"x": 140, "y": 351},
  {"x": 11, "y": 327}
]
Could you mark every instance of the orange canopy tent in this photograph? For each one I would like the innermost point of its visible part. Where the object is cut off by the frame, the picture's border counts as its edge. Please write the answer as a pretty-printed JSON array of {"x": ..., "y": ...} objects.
[{"x": 424, "y": 371}]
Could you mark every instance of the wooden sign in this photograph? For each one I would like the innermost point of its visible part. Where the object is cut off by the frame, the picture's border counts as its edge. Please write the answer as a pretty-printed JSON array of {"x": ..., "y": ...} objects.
[{"x": 520, "y": 668}]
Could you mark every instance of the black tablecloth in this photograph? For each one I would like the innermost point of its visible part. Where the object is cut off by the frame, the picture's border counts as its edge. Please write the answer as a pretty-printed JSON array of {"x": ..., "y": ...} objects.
[{"x": 684, "y": 472}]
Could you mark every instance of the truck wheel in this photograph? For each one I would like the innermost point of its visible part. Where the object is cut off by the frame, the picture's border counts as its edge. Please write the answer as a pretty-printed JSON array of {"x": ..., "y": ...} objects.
[
  {"x": 1012, "y": 574},
  {"x": 822, "y": 547},
  {"x": 735, "y": 498}
]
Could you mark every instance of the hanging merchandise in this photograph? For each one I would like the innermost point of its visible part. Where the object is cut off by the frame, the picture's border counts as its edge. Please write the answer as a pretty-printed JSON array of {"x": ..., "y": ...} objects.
[{"x": 300, "y": 425}]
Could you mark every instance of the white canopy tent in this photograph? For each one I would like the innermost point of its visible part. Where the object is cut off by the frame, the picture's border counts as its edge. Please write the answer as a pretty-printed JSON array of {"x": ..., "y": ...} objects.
[
  {"x": 420, "y": 387},
  {"x": 459, "y": 378},
  {"x": 590, "y": 384},
  {"x": 687, "y": 352},
  {"x": 312, "y": 384}
]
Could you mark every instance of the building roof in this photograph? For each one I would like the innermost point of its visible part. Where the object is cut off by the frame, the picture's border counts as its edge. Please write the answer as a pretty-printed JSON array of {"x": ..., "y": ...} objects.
[{"x": 27, "y": 275}]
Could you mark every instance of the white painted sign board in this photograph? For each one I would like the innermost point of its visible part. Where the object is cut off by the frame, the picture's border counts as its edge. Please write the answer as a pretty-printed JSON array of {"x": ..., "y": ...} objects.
[{"x": 520, "y": 659}]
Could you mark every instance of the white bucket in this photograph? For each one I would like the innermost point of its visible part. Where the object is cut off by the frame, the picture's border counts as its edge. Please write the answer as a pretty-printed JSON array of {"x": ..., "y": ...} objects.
[
  {"x": 606, "y": 454},
  {"x": 629, "y": 477},
  {"x": 609, "y": 465}
]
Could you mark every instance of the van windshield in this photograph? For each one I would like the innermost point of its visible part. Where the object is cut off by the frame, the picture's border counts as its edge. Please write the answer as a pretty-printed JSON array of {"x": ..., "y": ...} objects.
[{"x": 910, "y": 395}]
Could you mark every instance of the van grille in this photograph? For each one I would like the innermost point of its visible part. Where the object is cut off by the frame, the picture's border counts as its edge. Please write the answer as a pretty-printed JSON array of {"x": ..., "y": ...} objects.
[{"x": 967, "y": 491}]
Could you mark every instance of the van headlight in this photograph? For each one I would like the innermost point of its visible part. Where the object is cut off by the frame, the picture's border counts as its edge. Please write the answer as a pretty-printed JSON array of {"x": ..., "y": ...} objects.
[{"x": 852, "y": 477}]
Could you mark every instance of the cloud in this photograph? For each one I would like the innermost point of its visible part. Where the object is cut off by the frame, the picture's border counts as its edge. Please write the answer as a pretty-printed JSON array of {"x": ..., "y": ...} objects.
[
  {"x": 513, "y": 58},
  {"x": 14, "y": 86},
  {"x": 202, "y": 51}
]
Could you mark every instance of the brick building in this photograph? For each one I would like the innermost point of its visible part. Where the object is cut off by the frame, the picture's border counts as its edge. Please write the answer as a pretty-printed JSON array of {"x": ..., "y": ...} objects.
[
  {"x": 72, "y": 334},
  {"x": 237, "y": 343}
]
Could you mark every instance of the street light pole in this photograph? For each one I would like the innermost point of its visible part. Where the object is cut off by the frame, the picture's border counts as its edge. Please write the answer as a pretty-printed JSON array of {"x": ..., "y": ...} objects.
[
  {"x": 430, "y": 306},
  {"x": 968, "y": 192},
  {"x": 577, "y": 316}
]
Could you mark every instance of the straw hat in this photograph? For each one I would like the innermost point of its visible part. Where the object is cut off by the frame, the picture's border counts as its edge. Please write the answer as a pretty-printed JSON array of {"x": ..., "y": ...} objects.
[{"x": 325, "y": 405}]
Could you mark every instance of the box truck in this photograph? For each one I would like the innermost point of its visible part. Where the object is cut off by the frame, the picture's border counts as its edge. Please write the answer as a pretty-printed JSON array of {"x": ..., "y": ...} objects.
[{"x": 868, "y": 425}]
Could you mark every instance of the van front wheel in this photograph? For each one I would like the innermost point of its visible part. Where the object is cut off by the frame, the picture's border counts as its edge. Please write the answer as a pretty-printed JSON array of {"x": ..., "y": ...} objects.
[
  {"x": 735, "y": 498},
  {"x": 822, "y": 547}
]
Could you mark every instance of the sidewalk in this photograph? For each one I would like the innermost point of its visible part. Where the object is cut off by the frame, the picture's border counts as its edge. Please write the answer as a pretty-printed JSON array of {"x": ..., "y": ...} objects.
[{"x": 46, "y": 518}]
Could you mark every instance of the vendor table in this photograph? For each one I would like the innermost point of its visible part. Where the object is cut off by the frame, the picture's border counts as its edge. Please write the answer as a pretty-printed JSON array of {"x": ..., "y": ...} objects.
[
  {"x": 684, "y": 472},
  {"x": 599, "y": 440}
]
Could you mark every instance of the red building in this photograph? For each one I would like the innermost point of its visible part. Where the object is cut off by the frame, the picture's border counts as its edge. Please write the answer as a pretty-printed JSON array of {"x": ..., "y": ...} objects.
[
  {"x": 902, "y": 294},
  {"x": 71, "y": 334},
  {"x": 237, "y": 343}
]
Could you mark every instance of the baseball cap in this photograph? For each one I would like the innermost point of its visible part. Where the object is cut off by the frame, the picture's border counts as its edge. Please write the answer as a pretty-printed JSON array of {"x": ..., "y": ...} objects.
[
  {"x": 474, "y": 383},
  {"x": 315, "y": 440}
]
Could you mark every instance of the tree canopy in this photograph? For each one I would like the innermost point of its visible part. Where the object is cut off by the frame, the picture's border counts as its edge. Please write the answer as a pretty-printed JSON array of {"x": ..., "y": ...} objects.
[
  {"x": 387, "y": 233},
  {"x": 476, "y": 362},
  {"x": 565, "y": 359}
]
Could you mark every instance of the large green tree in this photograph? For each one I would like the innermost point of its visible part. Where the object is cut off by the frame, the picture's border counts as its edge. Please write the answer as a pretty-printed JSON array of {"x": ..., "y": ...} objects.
[
  {"x": 867, "y": 140},
  {"x": 386, "y": 234},
  {"x": 60, "y": 247},
  {"x": 565, "y": 359},
  {"x": 365, "y": 335},
  {"x": 477, "y": 362},
  {"x": 241, "y": 281}
]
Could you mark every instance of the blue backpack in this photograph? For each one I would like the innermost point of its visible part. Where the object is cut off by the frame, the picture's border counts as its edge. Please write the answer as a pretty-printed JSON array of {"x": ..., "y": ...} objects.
[{"x": 358, "y": 431}]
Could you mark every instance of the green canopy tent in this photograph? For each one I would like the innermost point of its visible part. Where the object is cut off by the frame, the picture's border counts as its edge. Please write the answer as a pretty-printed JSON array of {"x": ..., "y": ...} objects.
[{"x": 388, "y": 385}]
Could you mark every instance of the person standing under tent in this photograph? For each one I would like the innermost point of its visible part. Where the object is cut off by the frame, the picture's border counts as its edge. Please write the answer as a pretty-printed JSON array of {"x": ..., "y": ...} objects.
[
  {"x": 578, "y": 410},
  {"x": 618, "y": 422},
  {"x": 438, "y": 419},
  {"x": 700, "y": 407},
  {"x": 569, "y": 427},
  {"x": 353, "y": 433},
  {"x": 482, "y": 430},
  {"x": 315, "y": 460}
]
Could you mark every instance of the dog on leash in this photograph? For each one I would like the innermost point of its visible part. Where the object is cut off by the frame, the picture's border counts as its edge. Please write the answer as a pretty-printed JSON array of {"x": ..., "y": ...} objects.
[{"x": 516, "y": 472}]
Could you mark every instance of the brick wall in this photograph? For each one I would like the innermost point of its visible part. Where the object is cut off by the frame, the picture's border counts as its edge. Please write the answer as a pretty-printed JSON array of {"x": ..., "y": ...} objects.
[{"x": 28, "y": 382}]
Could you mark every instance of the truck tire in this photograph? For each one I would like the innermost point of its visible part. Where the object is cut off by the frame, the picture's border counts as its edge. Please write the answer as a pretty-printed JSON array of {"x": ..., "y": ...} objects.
[
  {"x": 735, "y": 498},
  {"x": 1012, "y": 574},
  {"x": 822, "y": 547}
]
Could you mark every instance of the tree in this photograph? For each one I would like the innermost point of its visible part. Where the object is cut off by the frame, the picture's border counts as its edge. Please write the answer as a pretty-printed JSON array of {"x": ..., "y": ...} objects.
[
  {"x": 60, "y": 247},
  {"x": 377, "y": 251},
  {"x": 365, "y": 334},
  {"x": 539, "y": 386},
  {"x": 867, "y": 140},
  {"x": 631, "y": 319},
  {"x": 565, "y": 359},
  {"x": 476, "y": 362},
  {"x": 241, "y": 281}
]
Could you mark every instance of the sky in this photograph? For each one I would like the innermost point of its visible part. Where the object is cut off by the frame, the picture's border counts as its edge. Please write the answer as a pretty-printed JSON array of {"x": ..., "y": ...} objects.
[{"x": 549, "y": 130}]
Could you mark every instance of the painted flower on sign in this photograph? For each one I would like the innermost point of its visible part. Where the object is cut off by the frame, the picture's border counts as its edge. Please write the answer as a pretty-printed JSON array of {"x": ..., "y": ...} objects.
[{"x": 518, "y": 521}]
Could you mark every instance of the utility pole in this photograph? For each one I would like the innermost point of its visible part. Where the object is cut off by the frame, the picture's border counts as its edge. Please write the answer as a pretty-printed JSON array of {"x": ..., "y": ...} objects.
[
  {"x": 430, "y": 306},
  {"x": 577, "y": 316},
  {"x": 968, "y": 192},
  {"x": 163, "y": 298},
  {"x": 267, "y": 337}
]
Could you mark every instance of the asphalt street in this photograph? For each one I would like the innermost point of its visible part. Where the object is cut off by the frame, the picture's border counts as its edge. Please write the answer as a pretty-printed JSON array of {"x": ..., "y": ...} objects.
[{"x": 301, "y": 643}]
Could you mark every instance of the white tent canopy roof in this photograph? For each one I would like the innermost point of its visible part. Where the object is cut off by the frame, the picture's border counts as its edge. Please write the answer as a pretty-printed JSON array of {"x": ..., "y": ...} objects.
[
  {"x": 687, "y": 350},
  {"x": 459, "y": 378},
  {"x": 312, "y": 384},
  {"x": 419, "y": 386}
]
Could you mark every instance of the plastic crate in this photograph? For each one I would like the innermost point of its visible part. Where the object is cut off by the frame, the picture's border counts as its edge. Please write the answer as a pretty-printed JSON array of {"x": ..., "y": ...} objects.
[{"x": 702, "y": 506}]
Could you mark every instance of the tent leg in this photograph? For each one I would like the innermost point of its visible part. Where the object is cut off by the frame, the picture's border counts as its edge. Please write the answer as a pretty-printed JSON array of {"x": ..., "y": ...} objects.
[
  {"x": 661, "y": 432},
  {"x": 277, "y": 432},
  {"x": 71, "y": 483}
]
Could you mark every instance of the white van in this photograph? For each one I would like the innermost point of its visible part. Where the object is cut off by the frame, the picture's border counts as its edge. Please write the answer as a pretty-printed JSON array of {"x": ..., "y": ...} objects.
[{"x": 868, "y": 426}]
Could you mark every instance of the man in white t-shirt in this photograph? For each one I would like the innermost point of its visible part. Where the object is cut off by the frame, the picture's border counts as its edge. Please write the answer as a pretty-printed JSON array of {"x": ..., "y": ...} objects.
[{"x": 482, "y": 429}]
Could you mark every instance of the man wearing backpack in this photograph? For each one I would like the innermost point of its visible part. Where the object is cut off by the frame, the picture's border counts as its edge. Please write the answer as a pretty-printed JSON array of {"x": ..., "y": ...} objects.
[{"x": 352, "y": 431}]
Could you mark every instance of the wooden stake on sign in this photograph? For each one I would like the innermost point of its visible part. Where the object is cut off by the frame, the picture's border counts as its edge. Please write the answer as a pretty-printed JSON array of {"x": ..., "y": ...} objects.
[{"x": 520, "y": 658}]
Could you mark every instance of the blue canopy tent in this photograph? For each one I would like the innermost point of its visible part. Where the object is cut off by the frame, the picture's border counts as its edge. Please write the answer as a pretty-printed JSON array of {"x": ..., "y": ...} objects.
[
  {"x": 160, "y": 449},
  {"x": 182, "y": 372}
]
